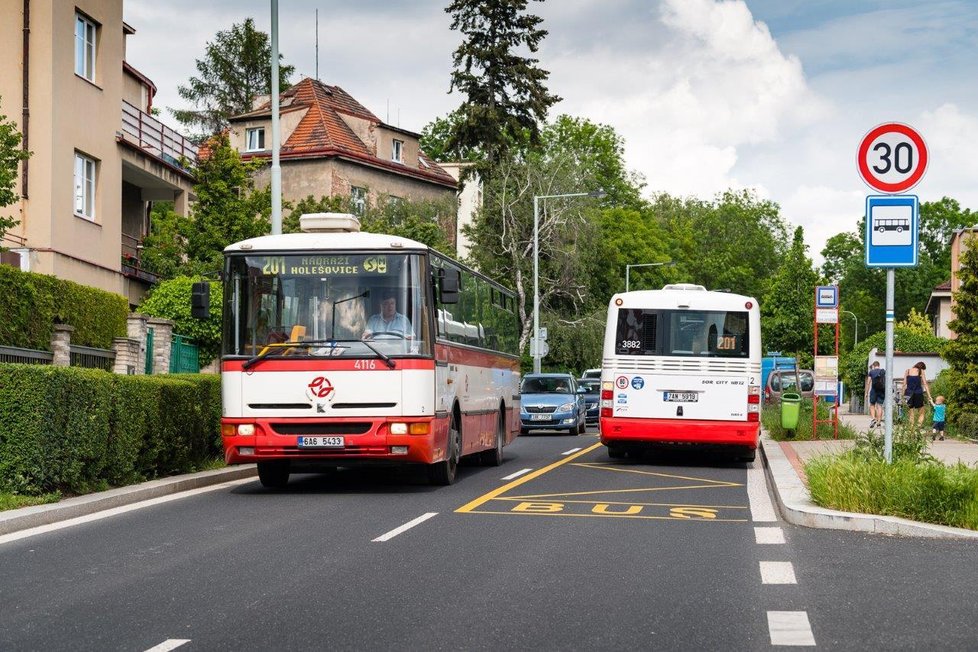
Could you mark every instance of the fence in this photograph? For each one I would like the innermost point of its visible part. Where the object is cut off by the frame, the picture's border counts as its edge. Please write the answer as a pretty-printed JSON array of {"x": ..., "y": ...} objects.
[
  {"x": 25, "y": 356},
  {"x": 183, "y": 356},
  {"x": 85, "y": 356}
]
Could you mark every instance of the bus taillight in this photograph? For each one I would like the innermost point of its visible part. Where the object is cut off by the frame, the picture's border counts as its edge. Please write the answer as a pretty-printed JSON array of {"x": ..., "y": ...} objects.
[
  {"x": 607, "y": 394},
  {"x": 606, "y": 412}
]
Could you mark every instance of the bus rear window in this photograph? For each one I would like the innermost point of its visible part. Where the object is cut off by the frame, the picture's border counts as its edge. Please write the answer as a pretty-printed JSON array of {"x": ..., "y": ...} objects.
[{"x": 696, "y": 333}]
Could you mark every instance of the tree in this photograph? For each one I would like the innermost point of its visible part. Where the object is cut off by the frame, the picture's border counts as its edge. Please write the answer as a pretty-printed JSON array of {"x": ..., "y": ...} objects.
[
  {"x": 427, "y": 221},
  {"x": 172, "y": 299},
  {"x": 228, "y": 209},
  {"x": 788, "y": 309},
  {"x": 235, "y": 69},
  {"x": 962, "y": 352},
  {"x": 505, "y": 94},
  {"x": 11, "y": 154}
]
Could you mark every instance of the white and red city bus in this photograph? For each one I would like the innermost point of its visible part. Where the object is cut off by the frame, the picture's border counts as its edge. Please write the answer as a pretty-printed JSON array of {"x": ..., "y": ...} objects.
[
  {"x": 681, "y": 366},
  {"x": 343, "y": 348}
]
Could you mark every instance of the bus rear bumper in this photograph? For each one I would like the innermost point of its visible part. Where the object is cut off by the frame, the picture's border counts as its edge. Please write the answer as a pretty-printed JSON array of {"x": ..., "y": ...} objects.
[
  {"x": 618, "y": 430},
  {"x": 365, "y": 441}
]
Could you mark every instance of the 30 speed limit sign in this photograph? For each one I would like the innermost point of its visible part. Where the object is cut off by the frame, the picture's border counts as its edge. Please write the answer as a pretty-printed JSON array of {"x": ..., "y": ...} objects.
[{"x": 892, "y": 158}]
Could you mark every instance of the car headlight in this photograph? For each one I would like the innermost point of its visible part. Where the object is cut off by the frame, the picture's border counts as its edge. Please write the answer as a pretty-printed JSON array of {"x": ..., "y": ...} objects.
[{"x": 566, "y": 407}]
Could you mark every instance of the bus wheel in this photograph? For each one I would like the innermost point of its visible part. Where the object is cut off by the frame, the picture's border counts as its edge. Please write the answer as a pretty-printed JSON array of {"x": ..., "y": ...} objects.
[
  {"x": 616, "y": 452},
  {"x": 443, "y": 473},
  {"x": 494, "y": 456},
  {"x": 749, "y": 456},
  {"x": 274, "y": 475}
]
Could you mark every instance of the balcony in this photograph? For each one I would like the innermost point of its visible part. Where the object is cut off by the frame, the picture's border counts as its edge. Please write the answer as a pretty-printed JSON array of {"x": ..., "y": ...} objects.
[{"x": 155, "y": 138}]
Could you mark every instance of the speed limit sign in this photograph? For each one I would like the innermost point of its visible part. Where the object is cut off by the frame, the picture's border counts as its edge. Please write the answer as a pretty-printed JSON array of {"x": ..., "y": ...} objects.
[{"x": 892, "y": 158}]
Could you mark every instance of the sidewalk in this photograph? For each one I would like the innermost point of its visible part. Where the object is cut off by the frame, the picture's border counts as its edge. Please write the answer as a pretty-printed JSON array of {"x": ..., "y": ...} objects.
[{"x": 784, "y": 463}]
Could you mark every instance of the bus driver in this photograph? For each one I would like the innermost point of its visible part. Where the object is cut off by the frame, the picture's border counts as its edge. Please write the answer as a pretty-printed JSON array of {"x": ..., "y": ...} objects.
[{"x": 388, "y": 320}]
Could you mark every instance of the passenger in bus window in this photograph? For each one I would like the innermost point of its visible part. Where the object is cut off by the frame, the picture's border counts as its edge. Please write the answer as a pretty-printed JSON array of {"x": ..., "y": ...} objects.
[{"x": 388, "y": 320}]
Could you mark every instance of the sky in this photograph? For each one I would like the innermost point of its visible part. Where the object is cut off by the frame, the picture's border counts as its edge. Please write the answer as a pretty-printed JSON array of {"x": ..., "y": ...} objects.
[{"x": 708, "y": 95}]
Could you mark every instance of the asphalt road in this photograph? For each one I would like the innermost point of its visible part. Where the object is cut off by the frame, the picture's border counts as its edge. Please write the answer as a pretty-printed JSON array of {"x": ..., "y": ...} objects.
[{"x": 577, "y": 552}]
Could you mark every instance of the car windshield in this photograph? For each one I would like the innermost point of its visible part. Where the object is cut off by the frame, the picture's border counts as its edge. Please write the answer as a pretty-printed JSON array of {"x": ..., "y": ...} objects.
[
  {"x": 786, "y": 381},
  {"x": 546, "y": 385},
  {"x": 590, "y": 386},
  {"x": 339, "y": 305}
]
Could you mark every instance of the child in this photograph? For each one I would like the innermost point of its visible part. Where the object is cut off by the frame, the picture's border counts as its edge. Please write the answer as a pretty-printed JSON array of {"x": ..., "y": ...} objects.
[{"x": 940, "y": 415}]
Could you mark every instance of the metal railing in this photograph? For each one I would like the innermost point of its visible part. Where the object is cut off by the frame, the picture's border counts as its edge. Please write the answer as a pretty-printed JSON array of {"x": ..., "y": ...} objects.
[
  {"x": 25, "y": 356},
  {"x": 155, "y": 137},
  {"x": 86, "y": 356}
]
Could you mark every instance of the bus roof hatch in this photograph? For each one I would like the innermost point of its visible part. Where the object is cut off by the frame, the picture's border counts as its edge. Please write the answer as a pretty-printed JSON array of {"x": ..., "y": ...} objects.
[{"x": 329, "y": 223}]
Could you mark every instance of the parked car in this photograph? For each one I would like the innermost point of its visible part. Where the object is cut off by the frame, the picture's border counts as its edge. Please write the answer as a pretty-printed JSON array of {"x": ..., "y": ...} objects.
[
  {"x": 592, "y": 373},
  {"x": 592, "y": 398},
  {"x": 785, "y": 380},
  {"x": 551, "y": 402}
]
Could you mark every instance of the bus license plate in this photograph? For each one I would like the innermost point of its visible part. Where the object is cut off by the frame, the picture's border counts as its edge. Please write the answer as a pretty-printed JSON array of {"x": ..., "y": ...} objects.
[
  {"x": 539, "y": 417},
  {"x": 681, "y": 397},
  {"x": 320, "y": 442}
]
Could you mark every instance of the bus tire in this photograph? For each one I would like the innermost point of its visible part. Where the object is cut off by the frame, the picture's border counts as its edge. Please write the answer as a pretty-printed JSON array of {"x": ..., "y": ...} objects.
[
  {"x": 494, "y": 456},
  {"x": 616, "y": 452},
  {"x": 443, "y": 473},
  {"x": 274, "y": 475},
  {"x": 749, "y": 456}
]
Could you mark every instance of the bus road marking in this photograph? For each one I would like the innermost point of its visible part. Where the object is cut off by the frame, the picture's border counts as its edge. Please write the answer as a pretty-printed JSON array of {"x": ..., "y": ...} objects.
[
  {"x": 169, "y": 644},
  {"x": 573, "y": 450},
  {"x": 468, "y": 507},
  {"x": 777, "y": 572},
  {"x": 761, "y": 509},
  {"x": 404, "y": 528},
  {"x": 768, "y": 535},
  {"x": 513, "y": 476},
  {"x": 790, "y": 628}
]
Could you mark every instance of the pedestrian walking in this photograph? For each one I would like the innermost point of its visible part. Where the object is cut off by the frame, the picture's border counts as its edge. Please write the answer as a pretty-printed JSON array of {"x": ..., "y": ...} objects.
[
  {"x": 876, "y": 388},
  {"x": 915, "y": 387},
  {"x": 939, "y": 419}
]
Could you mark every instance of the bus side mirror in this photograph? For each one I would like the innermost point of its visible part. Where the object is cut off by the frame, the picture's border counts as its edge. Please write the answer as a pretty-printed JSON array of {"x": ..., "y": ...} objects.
[
  {"x": 200, "y": 300},
  {"x": 448, "y": 282}
]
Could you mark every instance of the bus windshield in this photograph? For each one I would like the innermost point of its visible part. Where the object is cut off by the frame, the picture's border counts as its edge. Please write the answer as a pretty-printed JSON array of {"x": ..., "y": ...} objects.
[
  {"x": 697, "y": 333},
  {"x": 339, "y": 304}
]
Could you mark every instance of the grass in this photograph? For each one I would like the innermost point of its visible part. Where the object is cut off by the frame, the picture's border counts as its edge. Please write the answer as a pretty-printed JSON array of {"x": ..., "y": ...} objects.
[{"x": 771, "y": 419}]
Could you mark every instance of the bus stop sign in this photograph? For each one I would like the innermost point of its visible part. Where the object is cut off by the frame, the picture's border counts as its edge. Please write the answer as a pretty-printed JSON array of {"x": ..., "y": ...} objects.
[{"x": 891, "y": 230}]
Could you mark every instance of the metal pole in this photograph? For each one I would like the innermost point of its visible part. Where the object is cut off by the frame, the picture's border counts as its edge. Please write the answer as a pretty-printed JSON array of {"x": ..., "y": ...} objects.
[
  {"x": 535, "y": 341},
  {"x": 855, "y": 339},
  {"x": 628, "y": 268},
  {"x": 276, "y": 175},
  {"x": 888, "y": 399}
]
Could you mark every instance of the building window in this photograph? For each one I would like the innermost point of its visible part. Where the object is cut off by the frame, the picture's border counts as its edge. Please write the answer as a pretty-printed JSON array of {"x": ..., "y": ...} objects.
[
  {"x": 255, "y": 139},
  {"x": 85, "y": 33},
  {"x": 396, "y": 151},
  {"x": 358, "y": 199},
  {"x": 84, "y": 186}
]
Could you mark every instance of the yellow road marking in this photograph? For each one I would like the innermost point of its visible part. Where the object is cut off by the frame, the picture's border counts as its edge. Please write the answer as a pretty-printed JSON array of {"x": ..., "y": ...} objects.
[
  {"x": 607, "y": 467},
  {"x": 634, "y": 517},
  {"x": 522, "y": 480},
  {"x": 613, "y": 502}
]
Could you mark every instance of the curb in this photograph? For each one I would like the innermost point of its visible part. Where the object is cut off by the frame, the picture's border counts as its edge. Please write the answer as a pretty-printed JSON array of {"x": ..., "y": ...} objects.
[
  {"x": 29, "y": 517},
  {"x": 796, "y": 506}
]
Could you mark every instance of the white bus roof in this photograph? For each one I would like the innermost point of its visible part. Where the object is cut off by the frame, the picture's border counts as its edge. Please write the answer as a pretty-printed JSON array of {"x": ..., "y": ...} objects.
[
  {"x": 326, "y": 242},
  {"x": 692, "y": 296}
]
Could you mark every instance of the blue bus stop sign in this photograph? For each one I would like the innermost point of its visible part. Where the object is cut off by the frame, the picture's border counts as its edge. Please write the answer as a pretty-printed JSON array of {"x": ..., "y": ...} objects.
[{"x": 891, "y": 230}]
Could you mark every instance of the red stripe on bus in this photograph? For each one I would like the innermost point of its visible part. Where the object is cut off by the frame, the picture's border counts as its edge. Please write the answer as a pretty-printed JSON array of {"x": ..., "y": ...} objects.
[
  {"x": 320, "y": 364},
  {"x": 461, "y": 355},
  {"x": 679, "y": 431}
]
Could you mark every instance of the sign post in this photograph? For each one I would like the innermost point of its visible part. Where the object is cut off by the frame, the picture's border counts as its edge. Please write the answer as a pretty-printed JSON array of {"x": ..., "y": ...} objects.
[
  {"x": 826, "y": 367},
  {"x": 892, "y": 158}
]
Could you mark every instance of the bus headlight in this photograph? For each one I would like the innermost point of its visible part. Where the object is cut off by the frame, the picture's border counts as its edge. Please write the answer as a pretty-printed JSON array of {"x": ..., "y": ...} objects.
[
  {"x": 246, "y": 429},
  {"x": 399, "y": 428}
]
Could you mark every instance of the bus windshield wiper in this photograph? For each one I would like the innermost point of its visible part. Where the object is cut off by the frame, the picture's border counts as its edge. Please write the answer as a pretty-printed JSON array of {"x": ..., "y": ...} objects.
[
  {"x": 264, "y": 353},
  {"x": 272, "y": 348}
]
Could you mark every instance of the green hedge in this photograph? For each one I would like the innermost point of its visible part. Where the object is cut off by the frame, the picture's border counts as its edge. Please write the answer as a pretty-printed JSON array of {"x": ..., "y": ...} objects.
[
  {"x": 32, "y": 303},
  {"x": 77, "y": 430}
]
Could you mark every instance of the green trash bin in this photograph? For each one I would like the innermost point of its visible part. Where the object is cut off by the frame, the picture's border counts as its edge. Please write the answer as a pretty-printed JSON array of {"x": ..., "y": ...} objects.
[{"x": 790, "y": 408}]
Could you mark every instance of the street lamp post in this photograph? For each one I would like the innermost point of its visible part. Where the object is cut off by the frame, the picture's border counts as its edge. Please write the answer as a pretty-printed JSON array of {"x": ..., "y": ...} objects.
[
  {"x": 536, "y": 267},
  {"x": 855, "y": 339},
  {"x": 628, "y": 268}
]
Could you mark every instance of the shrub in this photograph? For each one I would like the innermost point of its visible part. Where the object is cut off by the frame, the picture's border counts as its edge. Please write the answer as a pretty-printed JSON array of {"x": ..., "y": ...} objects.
[{"x": 171, "y": 300}]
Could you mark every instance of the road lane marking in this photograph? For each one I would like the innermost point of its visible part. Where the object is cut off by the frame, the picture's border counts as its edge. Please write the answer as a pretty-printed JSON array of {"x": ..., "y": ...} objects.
[
  {"x": 404, "y": 528},
  {"x": 115, "y": 511},
  {"x": 513, "y": 476},
  {"x": 790, "y": 628},
  {"x": 573, "y": 450},
  {"x": 169, "y": 644},
  {"x": 761, "y": 509},
  {"x": 468, "y": 507},
  {"x": 768, "y": 535},
  {"x": 777, "y": 572}
]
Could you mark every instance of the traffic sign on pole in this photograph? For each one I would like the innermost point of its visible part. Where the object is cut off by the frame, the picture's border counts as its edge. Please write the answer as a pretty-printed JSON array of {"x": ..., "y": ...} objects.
[
  {"x": 892, "y": 158},
  {"x": 891, "y": 230}
]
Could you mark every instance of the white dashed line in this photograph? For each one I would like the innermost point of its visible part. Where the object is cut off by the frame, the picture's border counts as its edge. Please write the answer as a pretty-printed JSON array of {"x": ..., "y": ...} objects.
[
  {"x": 790, "y": 628},
  {"x": 761, "y": 509},
  {"x": 169, "y": 644},
  {"x": 769, "y": 535},
  {"x": 513, "y": 476},
  {"x": 404, "y": 528},
  {"x": 573, "y": 450},
  {"x": 777, "y": 572}
]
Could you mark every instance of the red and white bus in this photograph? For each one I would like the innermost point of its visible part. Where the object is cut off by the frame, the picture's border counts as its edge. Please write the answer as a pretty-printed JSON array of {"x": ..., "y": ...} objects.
[
  {"x": 681, "y": 366},
  {"x": 344, "y": 348}
]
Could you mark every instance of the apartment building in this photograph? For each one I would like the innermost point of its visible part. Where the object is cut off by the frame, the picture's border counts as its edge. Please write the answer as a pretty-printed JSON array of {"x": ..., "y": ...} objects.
[
  {"x": 334, "y": 146},
  {"x": 940, "y": 306},
  {"x": 100, "y": 158}
]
